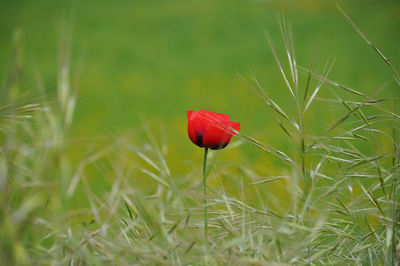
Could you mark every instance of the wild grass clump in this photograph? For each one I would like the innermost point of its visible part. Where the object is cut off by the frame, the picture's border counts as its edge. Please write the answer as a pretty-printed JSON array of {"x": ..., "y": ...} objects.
[{"x": 335, "y": 201}]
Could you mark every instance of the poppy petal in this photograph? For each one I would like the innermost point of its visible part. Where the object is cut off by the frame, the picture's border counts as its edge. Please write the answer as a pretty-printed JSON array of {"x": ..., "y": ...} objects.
[
  {"x": 234, "y": 125},
  {"x": 217, "y": 136},
  {"x": 214, "y": 116},
  {"x": 191, "y": 130},
  {"x": 211, "y": 130},
  {"x": 197, "y": 126}
]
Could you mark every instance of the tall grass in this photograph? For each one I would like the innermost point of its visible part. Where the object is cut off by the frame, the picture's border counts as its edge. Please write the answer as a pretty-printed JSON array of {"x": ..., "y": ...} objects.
[{"x": 336, "y": 202}]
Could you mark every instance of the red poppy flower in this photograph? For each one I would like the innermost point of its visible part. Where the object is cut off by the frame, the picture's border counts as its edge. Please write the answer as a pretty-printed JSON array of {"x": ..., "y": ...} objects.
[{"x": 211, "y": 130}]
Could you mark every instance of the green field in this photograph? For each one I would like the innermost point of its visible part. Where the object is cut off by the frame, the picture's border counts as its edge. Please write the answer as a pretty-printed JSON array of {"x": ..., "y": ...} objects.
[{"x": 97, "y": 167}]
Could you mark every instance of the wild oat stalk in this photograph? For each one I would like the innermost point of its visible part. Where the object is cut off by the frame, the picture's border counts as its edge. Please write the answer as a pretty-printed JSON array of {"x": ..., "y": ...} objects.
[
  {"x": 396, "y": 137},
  {"x": 396, "y": 141},
  {"x": 302, "y": 101}
]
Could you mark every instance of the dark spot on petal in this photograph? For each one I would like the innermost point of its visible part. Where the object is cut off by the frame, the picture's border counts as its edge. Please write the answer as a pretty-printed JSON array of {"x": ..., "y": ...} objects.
[
  {"x": 219, "y": 146},
  {"x": 199, "y": 139}
]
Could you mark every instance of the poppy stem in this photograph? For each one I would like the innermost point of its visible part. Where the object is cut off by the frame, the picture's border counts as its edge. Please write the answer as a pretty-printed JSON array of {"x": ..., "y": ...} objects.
[{"x": 205, "y": 198}]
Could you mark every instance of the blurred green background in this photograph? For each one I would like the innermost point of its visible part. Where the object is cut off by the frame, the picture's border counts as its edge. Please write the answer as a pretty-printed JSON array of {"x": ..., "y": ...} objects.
[{"x": 135, "y": 61}]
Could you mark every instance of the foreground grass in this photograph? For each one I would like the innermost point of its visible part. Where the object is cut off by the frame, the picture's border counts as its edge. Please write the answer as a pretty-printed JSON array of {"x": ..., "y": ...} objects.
[{"x": 335, "y": 200}]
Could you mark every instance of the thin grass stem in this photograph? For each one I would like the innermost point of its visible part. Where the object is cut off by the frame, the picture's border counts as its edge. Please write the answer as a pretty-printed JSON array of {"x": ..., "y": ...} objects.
[
  {"x": 303, "y": 169},
  {"x": 205, "y": 199},
  {"x": 397, "y": 151}
]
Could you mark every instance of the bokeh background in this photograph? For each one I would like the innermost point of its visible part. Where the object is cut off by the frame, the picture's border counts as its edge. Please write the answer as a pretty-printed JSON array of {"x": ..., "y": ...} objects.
[
  {"x": 136, "y": 62},
  {"x": 121, "y": 184}
]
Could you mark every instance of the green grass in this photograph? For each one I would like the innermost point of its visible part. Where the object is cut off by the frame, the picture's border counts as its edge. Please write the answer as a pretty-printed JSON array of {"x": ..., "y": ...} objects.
[{"x": 96, "y": 167}]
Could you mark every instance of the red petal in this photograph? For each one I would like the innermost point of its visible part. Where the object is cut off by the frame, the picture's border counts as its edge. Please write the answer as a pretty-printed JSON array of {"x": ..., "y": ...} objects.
[
  {"x": 191, "y": 132},
  {"x": 197, "y": 125},
  {"x": 214, "y": 116},
  {"x": 211, "y": 130},
  {"x": 217, "y": 135},
  {"x": 234, "y": 125}
]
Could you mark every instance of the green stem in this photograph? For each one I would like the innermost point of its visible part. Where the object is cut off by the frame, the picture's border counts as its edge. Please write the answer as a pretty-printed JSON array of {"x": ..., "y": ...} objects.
[
  {"x": 303, "y": 170},
  {"x": 307, "y": 220},
  {"x": 300, "y": 111},
  {"x": 397, "y": 151},
  {"x": 205, "y": 198}
]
